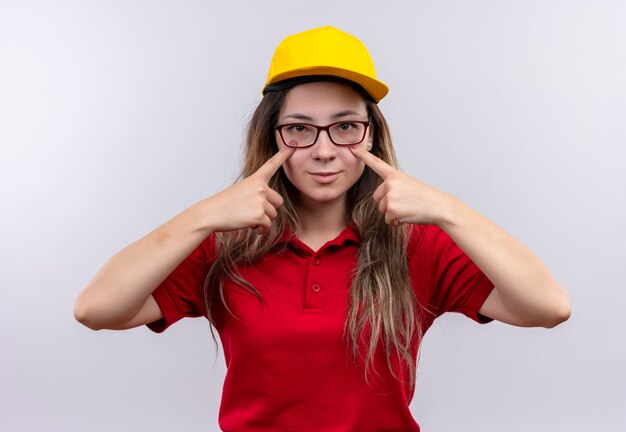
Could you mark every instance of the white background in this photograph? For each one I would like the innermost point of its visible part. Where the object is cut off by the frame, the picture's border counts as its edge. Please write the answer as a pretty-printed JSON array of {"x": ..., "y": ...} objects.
[{"x": 117, "y": 115}]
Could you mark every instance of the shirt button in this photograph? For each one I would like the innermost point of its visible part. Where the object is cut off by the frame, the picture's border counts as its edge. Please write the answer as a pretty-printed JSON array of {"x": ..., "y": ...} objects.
[
  {"x": 316, "y": 261},
  {"x": 316, "y": 288}
]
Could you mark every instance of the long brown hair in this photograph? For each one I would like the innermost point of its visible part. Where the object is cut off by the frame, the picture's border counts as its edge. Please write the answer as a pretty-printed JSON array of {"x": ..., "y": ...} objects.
[{"x": 383, "y": 305}]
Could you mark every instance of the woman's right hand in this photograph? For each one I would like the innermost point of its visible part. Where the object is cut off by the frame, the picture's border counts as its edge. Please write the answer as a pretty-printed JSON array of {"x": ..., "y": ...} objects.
[
  {"x": 249, "y": 203},
  {"x": 118, "y": 296}
]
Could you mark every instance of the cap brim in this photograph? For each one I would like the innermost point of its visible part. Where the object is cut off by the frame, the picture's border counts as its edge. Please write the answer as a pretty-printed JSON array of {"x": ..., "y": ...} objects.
[{"x": 376, "y": 89}]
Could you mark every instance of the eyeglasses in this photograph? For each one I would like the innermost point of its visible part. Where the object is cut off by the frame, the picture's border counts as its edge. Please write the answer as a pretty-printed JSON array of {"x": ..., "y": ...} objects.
[{"x": 301, "y": 135}]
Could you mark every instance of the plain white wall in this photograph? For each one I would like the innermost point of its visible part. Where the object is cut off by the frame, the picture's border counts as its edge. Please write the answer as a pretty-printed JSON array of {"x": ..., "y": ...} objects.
[{"x": 117, "y": 115}]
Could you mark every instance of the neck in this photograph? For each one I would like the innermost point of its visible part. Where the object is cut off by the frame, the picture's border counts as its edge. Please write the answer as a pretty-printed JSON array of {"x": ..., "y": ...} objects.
[{"x": 321, "y": 222}]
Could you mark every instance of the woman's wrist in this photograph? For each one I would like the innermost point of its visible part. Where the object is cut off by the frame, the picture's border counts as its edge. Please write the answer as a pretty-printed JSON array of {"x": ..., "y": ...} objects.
[
  {"x": 204, "y": 213},
  {"x": 451, "y": 212}
]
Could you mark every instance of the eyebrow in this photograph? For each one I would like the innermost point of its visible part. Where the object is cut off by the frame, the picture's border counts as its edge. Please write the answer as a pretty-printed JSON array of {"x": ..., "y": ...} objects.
[{"x": 334, "y": 116}]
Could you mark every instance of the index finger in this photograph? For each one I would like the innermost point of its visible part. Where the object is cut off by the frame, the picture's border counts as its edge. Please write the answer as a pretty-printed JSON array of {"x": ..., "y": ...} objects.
[
  {"x": 269, "y": 168},
  {"x": 379, "y": 166}
]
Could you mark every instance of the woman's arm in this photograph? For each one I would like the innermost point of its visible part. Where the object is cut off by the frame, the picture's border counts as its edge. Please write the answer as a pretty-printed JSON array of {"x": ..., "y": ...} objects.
[
  {"x": 525, "y": 292},
  {"x": 120, "y": 290},
  {"x": 119, "y": 295}
]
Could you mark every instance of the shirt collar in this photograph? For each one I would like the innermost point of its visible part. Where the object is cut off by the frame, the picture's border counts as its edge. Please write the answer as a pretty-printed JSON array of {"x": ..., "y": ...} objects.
[{"x": 348, "y": 235}]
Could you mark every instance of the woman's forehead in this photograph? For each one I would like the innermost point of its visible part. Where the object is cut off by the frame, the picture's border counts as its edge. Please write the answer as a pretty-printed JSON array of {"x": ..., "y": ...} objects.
[{"x": 322, "y": 99}]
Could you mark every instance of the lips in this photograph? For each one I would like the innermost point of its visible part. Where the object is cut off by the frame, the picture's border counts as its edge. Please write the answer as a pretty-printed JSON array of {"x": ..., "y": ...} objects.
[
  {"x": 324, "y": 177},
  {"x": 325, "y": 173}
]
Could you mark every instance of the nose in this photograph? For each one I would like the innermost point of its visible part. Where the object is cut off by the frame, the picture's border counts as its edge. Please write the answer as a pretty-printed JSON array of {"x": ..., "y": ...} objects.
[{"x": 324, "y": 148}]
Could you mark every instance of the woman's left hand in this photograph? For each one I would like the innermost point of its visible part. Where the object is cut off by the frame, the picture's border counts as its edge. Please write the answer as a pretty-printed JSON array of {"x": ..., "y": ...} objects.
[
  {"x": 525, "y": 292},
  {"x": 403, "y": 199}
]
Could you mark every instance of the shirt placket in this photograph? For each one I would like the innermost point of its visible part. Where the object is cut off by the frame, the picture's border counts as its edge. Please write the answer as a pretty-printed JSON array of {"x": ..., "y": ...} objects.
[{"x": 315, "y": 291}]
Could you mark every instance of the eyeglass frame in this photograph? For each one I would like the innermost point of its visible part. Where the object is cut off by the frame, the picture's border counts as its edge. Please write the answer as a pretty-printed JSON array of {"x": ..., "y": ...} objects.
[{"x": 366, "y": 123}]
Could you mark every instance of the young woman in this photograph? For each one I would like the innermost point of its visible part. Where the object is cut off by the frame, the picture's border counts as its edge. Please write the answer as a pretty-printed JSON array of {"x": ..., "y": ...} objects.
[{"x": 322, "y": 267}]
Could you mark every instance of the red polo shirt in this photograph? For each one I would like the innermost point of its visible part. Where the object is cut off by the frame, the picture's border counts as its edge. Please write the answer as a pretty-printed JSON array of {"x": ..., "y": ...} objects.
[{"x": 287, "y": 367}]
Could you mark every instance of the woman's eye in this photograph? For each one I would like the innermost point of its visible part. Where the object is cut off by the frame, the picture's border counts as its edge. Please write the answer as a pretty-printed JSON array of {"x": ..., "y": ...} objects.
[
  {"x": 297, "y": 128},
  {"x": 346, "y": 126}
]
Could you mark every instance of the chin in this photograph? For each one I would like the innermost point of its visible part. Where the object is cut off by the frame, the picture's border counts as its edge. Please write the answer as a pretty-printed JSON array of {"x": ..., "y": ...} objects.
[{"x": 323, "y": 196}]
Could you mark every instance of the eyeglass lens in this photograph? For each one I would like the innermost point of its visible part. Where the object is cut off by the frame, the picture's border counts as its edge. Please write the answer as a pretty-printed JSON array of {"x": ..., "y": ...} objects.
[{"x": 302, "y": 135}]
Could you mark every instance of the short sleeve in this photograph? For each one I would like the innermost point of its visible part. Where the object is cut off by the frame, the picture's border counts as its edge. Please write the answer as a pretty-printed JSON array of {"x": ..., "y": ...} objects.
[
  {"x": 444, "y": 276},
  {"x": 181, "y": 294}
]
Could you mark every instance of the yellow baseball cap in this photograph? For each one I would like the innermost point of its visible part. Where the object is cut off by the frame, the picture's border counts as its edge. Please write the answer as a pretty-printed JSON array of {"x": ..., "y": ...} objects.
[{"x": 325, "y": 51}]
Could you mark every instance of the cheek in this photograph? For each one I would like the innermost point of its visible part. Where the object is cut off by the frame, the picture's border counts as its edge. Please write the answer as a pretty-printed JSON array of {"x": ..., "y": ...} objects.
[
  {"x": 358, "y": 171},
  {"x": 288, "y": 165},
  {"x": 293, "y": 165},
  {"x": 352, "y": 163},
  {"x": 288, "y": 170}
]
